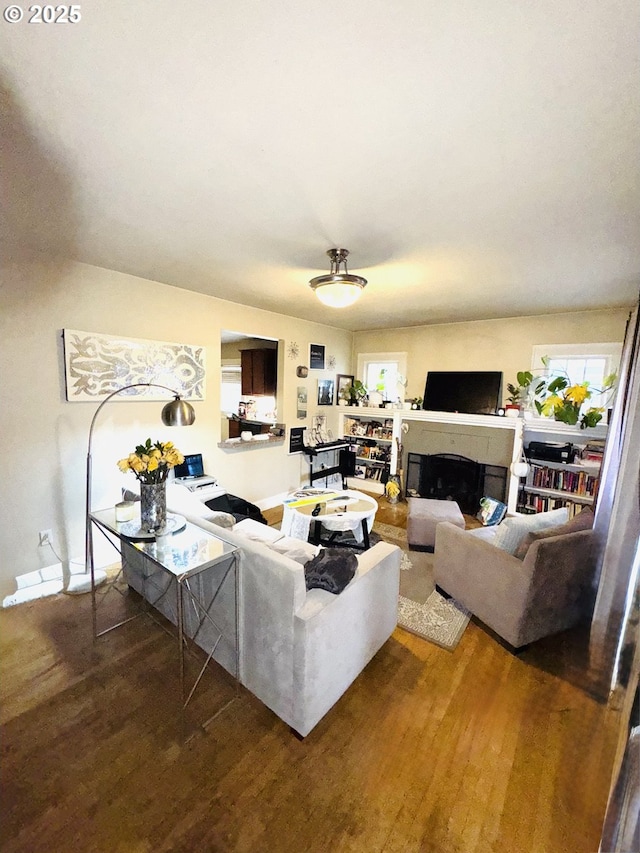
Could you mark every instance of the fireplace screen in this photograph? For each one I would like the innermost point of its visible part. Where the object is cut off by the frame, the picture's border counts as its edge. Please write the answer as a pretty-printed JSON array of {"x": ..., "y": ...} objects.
[{"x": 446, "y": 476}]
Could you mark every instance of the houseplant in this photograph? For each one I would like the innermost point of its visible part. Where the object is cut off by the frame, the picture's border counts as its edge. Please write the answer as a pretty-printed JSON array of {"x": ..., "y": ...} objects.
[
  {"x": 564, "y": 401},
  {"x": 151, "y": 463},
  {"x": 356, "y": 392},
  {"x": 524, "y": 393}
]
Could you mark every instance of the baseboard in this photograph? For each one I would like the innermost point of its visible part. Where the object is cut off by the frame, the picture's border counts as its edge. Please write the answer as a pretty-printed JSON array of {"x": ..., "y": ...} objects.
[{"x": 38, "y": 584}]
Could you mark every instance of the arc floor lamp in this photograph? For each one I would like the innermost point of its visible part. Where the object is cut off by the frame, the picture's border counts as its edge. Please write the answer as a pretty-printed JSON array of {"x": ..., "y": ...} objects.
[{"x": 175, "y": 413}]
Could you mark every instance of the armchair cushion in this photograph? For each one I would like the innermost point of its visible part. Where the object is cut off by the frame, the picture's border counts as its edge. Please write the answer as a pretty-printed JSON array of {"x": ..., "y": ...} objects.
[
  {"x": 582, "y": 521},
  {"x": 513, "y": 529}
]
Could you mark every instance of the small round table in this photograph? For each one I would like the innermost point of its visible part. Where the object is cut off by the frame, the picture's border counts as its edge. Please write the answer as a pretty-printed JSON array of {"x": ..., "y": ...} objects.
[{"x": 351, "y": 511}]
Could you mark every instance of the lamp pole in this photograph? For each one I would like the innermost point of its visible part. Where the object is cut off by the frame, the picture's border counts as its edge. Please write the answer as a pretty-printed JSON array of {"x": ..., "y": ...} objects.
[{"x": 175, "y": 413}]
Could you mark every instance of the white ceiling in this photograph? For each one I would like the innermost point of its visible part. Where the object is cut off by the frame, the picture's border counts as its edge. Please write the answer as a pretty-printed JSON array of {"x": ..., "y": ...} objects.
[{"x": 478, "y": 159}]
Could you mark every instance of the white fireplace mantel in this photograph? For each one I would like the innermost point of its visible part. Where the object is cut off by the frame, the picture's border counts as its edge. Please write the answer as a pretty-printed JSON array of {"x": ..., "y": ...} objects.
[{"x": 519, "y": 430}]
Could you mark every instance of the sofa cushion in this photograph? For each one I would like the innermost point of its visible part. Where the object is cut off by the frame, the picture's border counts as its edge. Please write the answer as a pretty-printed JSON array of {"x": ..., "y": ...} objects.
[
  {"x": 332, "y": 569},
  {"x": 295, "y": 549},
  {"x": 257, "y": 531},
  {"x": 513, "y": 529},
  {"x": 582, "y": 521}
]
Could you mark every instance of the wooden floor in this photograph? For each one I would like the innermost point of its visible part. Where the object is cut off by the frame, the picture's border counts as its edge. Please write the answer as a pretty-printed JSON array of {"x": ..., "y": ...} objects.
[{"x": 429, "y": 750}]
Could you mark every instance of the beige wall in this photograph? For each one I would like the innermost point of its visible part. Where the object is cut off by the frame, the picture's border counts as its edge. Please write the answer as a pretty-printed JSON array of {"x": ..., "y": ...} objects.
[
  {"x": 488, "y": 344},
  {"x": 44, "y": 436}
]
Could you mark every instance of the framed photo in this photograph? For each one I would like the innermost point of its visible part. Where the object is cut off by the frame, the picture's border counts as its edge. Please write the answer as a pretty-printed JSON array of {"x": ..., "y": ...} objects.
[
  {"x": 344, "y": 382},
  {"x": 301, "y": 408},
  {"x": 325, "y": 392},
  {"x": 316, "y": 356}
]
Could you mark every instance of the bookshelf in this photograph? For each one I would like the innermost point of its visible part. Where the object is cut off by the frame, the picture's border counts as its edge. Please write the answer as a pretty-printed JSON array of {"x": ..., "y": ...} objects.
[
  {"x": 551, "y": 485},
  {"x": 372, "y": 439}
]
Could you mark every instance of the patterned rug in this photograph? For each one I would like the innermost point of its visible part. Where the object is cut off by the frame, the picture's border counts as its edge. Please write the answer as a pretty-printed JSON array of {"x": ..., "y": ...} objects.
[{"x": 421, "y": 609}]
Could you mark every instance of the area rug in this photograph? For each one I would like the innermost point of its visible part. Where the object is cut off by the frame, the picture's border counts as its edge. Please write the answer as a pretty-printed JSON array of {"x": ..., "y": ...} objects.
[
  {"x": 421, "y": 608},
  {"x": 440, "y": 620}
]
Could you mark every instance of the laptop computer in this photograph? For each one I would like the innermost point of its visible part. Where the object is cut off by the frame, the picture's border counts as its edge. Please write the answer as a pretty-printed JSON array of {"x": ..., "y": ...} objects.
[{"x": 190, "y": 473}]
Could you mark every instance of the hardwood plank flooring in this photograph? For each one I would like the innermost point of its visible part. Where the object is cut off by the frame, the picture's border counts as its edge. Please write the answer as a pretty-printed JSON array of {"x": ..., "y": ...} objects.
[{"x": 471, "y": 751}]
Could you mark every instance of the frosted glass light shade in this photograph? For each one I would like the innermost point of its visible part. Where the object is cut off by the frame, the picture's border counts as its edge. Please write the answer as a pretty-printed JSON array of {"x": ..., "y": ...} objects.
[
  {"x": 339, "y": 288},
  {"x": 338, "y": 294}
]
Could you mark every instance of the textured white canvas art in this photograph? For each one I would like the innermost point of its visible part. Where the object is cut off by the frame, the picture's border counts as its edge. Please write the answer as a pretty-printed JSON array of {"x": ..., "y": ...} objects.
[{"x": 96, "y": 365}]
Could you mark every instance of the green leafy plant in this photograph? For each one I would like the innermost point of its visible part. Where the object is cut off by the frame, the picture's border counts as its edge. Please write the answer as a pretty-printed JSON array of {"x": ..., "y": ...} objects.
[
  {"x": 525, "y": 389},
  {"x": 354, "y": 392},
  {"x": 564, "y": 401}
]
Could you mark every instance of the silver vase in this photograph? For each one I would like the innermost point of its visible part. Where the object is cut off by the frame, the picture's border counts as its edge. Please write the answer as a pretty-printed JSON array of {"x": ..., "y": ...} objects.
[{"x": 153, "y": 507}]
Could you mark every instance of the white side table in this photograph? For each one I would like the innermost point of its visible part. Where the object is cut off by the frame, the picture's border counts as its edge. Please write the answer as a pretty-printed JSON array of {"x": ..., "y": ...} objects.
[{"x": 355, "y": 513}]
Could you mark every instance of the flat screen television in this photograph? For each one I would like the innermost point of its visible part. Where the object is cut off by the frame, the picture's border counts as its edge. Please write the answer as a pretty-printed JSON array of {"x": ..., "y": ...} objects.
[{"x": 474, "y": 392}]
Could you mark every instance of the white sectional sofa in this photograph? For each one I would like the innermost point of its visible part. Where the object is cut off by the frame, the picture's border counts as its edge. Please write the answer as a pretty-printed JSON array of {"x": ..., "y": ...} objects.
[{"x": 299, "y": 649}]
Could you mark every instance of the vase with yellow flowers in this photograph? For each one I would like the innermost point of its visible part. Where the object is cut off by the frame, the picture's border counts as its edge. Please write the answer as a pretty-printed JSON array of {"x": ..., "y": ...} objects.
[
  {"x": 564, "y": 400},
  {"x": 151, "y": 463}
]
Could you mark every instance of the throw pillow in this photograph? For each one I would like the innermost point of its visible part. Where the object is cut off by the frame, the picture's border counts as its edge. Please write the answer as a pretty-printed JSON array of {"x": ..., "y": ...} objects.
[
  {"x": 332, "y": 569},
  {"x": 514, "y": 528},
  {"x": 582, "y": 521}
]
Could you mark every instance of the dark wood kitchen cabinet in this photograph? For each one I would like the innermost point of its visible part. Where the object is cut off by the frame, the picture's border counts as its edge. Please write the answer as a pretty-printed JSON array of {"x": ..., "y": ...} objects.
[{"x": 259, "y": 369}]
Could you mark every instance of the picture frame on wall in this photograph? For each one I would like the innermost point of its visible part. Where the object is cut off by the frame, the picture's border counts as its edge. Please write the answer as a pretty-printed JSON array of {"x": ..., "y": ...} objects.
[
  {"x": 301, "y": 408},
  {"x": 316, "y": 356},
  {"x": 325, "y": 392},
  {"x": 343, "y": 381}
]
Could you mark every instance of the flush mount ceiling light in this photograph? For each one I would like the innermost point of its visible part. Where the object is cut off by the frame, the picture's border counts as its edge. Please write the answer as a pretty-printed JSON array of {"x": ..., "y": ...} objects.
[{"x": 338, "y": 289}]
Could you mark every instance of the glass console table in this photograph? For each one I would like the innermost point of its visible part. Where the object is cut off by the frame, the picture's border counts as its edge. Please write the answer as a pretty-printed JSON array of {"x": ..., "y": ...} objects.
[{"x": 191, "y": 577}]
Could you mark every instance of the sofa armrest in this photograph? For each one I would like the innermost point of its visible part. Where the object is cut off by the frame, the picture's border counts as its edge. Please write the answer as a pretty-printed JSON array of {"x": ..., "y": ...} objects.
[
  {"x": 317, "y": 599},
  {"x": 337, "y": 635}
]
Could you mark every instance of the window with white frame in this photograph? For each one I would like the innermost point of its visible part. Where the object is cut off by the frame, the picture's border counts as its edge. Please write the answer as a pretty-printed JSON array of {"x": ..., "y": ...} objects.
[
  {"x": 590, "y": 363},
  {"x": 384, "y": 372}
]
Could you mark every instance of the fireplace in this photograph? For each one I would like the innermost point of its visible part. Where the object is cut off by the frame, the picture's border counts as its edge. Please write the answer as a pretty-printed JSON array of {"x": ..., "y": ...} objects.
[{"x": 446, "y": 476}]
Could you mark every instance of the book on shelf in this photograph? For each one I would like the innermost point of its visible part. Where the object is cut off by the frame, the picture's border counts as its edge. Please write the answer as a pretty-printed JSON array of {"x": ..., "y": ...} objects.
[
  {"x": 562, "y": 480},
  {"x": 544, "y": 503}
]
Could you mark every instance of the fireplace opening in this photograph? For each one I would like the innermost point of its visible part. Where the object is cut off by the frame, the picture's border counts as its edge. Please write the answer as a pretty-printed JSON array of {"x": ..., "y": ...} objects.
[{"x": 448, "y": 477}]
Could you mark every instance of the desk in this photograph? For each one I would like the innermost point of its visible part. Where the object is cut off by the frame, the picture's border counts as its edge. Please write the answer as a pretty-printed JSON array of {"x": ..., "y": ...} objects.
[
  {"x": 355, "y": 514},
  {"x": 182, "y": 575}
]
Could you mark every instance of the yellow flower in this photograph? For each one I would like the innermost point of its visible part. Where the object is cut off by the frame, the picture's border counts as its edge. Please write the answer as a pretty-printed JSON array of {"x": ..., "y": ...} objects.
[
  {"x": 553, "y": 401},
  {"x": 393, "y": 489},
  {"x": 578, "y": 393},
  {"x": 151, "y": 462},
  {"x": 136, "y": 463}
]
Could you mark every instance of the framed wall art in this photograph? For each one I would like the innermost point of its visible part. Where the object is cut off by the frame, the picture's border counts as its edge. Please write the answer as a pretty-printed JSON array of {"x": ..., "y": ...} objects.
[
  {"x": 344, "y": 382},
  {"x": 316, "y": 356},
  {"x": 325, "y": 392},
  {"x": 95, "y": 365}
]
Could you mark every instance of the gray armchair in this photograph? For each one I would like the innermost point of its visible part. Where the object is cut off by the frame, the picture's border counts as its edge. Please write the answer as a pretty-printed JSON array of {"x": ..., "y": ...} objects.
[{"x": 521, "y": 600}]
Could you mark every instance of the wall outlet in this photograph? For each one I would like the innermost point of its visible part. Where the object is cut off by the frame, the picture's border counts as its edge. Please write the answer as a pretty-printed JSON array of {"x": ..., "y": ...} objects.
[{"x": 46, "y": 537}]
